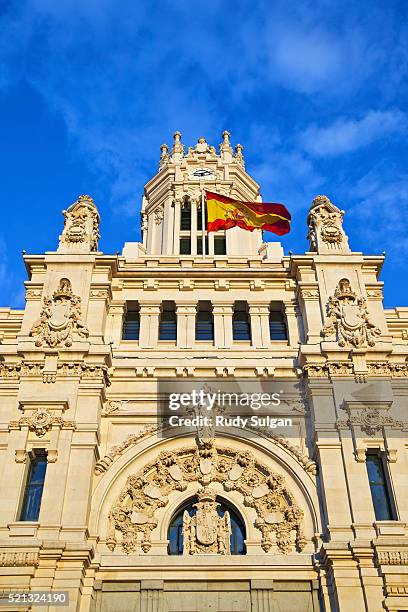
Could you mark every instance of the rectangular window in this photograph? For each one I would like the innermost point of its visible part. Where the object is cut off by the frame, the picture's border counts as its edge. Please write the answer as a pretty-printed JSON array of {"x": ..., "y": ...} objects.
[
  {"x": 34, "y": 486},
  {"x": 277, "y": 324},
  {"x": 241, "y": 327},
  {"x": 200, "y": 245},
  {"x": 185, "y": 217},
  {"x": 200, "y": 217},
  {"x": 379, "y": 486},
  {"x": 204, "y": 322},
  {"x": 168, "y": 322},
  {"x": 131, "y": 322},
  {"x": 220, "y": 245},
  {"x": 185, "y": 246}
]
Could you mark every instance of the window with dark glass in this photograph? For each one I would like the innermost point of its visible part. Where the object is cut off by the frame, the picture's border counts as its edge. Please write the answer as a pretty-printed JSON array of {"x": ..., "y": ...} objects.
[
  {"x": 200, "y": 217},
  {"x": 131, "y": 322},
  {"x": 185, "y": 246},
  {"x": 30, "y": 510},
  {"x": 168, "y": 322},
  {"x": 220, "y": 245},
  {"x": 185, "y": 217},
  {"x": 204, "y": 322},
  {"x": 200, "y": 245},
  {"x": 241, "y": 327},
  {"x": 175, "y": 533},
  {"x": 379, "y": 486},
  {"x": 277, "y": 323}
]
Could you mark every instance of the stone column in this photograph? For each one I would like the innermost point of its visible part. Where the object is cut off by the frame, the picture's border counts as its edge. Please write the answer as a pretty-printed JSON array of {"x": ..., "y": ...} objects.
[
  {"x": 262, "y": 599},
  {"x": 223, "y": 325},
  {"x": 292, "y": 323},
  {"x": 149, "y": 324},
  {"x": 176, "y": 227},
  {"x": 13, "y": 475},
  {"x": 151, "y": 596},
  {"x": 194, "y": 208},
  {"x": 311, "y": 314},
  {"x": 186, "y": 317},
  {"x": 259, "y": 316},
  {"x": 115, "y": 322},
  {"x": 168, "y": 220}
]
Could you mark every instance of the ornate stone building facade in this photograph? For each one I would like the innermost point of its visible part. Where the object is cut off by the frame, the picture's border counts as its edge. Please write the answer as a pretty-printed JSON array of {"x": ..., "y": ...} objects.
[{"x": 96, "y": 501}]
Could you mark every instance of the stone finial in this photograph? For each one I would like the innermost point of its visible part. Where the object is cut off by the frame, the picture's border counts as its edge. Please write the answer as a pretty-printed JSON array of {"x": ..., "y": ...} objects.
[
  {"x": 239, "y": 158},
  {"x": 225, "y": 147},
  {"x": 81, "y": 227},
  {"x": 325, "y": 221},
  {"x": 177, "y": 150},
  {"x": 164, "y": 156}
]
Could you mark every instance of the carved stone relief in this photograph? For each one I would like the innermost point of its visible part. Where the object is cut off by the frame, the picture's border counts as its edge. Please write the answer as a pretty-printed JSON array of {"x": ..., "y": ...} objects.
[
  {"x": 348, "y": 318},
  {"x": 81, "y": 227},
  {"x": 134, "y": 514},
  {"x": 325, "y": 222},
  {"x": 41, "y": 421},
  {"x": 206, "y": 531},
  {"x": 60, "y": 317},
  {"x": 370, "y": 419}
]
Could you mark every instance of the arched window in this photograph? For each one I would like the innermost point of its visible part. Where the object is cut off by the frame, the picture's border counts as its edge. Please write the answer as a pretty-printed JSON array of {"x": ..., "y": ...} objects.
[{"x": 175, "y": 533}]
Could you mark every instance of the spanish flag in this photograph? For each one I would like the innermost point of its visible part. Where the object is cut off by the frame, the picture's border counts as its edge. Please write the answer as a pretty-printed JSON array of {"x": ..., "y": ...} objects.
[{"x": 224, "y": 213}]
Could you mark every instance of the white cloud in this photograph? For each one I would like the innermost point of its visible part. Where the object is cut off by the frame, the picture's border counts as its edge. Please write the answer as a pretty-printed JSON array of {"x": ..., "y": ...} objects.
[
  {"x": 345, "y": 135},
  {"x": 381, "y": 212}
]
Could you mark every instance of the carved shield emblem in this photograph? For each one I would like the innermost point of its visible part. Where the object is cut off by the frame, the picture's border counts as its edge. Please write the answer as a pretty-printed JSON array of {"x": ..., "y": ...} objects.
[
  {"x": 207, "y": 526},
  {"x": 352, "y": 316},
  {"x": 59, "y": 315}
]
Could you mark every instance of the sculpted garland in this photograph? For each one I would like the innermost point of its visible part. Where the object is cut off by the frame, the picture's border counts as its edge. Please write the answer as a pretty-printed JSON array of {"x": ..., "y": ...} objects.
[{"x": 277, "y": 516}]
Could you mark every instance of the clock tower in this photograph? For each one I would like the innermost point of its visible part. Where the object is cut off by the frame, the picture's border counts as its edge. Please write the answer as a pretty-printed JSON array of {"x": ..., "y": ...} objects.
[{"x": 172, "y": 215}]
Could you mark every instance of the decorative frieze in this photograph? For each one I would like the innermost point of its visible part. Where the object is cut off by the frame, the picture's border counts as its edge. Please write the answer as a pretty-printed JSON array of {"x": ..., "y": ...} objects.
[
  {"x": 371, "y": 420},
  {"x": 18, "y": 559},
  {"x": 392, "y": 557}
]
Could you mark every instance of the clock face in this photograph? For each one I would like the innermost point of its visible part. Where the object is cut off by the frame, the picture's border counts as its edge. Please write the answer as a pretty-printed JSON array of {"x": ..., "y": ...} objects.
[{"x": 202, "y": 173}]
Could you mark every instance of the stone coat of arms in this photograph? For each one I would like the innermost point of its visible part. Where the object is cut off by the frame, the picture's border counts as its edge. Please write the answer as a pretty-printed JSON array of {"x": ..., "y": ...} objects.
[
  {"x": 349, "y": 319},
  {"x": 206, "y": 531}
]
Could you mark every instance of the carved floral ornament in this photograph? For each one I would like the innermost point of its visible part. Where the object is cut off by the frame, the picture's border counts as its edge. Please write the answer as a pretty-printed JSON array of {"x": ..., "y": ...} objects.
[
  {"x": 41, "y": 421},
  {"x": 348, "y": 318},
  {"x": 278, "y": 518},
  {"x": 59, "y": 318},
  {"x": 81, "y": 226}
]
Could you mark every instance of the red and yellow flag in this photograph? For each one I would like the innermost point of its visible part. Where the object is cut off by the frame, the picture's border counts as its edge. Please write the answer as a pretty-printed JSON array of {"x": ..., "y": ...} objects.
[{"x": 224, "y": 213}]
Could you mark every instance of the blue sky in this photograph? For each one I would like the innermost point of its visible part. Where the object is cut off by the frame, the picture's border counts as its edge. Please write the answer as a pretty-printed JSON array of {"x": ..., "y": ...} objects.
[{"x": 315, "y": 91}]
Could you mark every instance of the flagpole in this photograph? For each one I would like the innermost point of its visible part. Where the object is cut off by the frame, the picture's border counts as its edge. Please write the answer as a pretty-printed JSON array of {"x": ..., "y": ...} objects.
[{"x": 203, "y": 220}]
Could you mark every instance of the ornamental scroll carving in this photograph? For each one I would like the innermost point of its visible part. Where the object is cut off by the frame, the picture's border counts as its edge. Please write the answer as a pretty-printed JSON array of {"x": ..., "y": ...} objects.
[
  {"x": 41, "y": 421},
  {"x": 278, "y": 517},
  {"x": 60, "y": 317},
  {"x": 325, "y": 222},
  {"x": 348, "y": 318},
  {"x": 81, "y": 227}
]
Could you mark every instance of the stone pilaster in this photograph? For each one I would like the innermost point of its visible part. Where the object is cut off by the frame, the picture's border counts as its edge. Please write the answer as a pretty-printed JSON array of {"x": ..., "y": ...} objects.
[
  {"x": 186, "y": 316},
  {"x": 223, "y": 325},
  {"x": 149, "y": 324},
  {"x": 259, "y": 316}
]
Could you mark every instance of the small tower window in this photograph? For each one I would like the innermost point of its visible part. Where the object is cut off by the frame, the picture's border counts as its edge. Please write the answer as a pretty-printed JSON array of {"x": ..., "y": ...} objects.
[
  {"x": 241, "y": 327},
  {"x": 30, "y": 510},
  {"x": 379, "y": 486},
  {"x": 220, "y": 245},
  {"x": 200, "y": 217},
  {"x": 277, "y": 323},
  {"x": 131, "y": 322},
  {"x": 185, "y": 217},
  {"x": 168, "y": 322},
  {"x": 204, "y": 322},
  {"x": 185, "y": 246}
]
